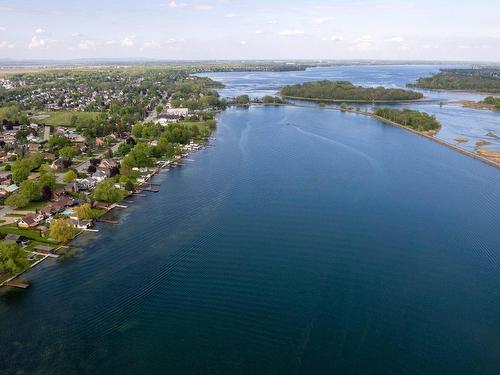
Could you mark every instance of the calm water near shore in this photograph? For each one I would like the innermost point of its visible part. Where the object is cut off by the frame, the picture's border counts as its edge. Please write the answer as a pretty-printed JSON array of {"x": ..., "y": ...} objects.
[{"x": 303, "y": 242}]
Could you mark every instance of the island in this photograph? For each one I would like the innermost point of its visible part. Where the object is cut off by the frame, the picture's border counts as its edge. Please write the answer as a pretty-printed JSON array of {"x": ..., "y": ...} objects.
[
  {"x": 344, "y": 91},
  {"x": 476, "y": 80},
  {"x": 490, "y": 103},
  {"x": 419, "y": 121}
]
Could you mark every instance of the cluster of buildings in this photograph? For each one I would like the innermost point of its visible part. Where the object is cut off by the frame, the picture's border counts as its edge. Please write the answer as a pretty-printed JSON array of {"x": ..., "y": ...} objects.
[
  {"x": 170, "y": 115},
  {"x": 6, "y": 84},
  {"x": 62, "y": 201}
]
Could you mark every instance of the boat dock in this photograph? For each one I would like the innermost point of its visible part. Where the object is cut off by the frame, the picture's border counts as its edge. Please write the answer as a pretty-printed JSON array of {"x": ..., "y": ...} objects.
[{"x": 16, "y": 284}]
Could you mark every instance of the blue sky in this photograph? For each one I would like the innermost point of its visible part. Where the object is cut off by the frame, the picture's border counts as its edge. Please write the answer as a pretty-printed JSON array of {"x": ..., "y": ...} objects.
[{"x": 240, "y": 29}]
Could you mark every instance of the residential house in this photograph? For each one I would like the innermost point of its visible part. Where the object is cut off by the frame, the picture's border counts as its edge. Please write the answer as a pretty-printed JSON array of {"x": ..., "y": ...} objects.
[
  {"x": 85, "y": 184},
  {"x": 30, "y": 220},
  {"x": 99, "y": 176},
  {"x": 107, "y": 166}
]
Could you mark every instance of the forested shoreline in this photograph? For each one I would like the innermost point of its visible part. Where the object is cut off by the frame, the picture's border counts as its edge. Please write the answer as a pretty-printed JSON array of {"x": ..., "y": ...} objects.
[{"x": 346, "y": 91}]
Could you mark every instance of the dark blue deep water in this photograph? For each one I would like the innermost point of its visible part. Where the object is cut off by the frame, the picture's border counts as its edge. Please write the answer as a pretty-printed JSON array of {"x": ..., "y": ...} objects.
[{"x": 303, "y": 241}]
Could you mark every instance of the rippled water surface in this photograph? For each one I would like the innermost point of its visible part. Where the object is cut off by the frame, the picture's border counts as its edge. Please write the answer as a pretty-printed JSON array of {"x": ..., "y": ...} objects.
[
  {"x": 457, "y": 121},
  {"x": 303, "y": 241}
]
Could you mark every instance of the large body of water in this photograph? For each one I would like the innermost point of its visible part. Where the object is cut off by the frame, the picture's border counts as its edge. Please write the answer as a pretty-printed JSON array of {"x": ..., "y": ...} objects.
[
  {"x": 457, "y": 121},
  {"x": 303, "y": 241}
]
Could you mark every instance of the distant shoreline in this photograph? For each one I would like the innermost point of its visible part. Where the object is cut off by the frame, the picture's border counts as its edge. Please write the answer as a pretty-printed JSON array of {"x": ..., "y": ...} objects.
[{"x": 357, "y": 101}]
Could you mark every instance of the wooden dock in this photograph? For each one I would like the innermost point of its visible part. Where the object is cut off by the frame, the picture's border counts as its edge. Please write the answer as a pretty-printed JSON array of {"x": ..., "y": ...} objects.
[
  {"x": 16, "y": 284},
  {"x": 151, "y": 189},
  {"x": 107, "y": 221}
]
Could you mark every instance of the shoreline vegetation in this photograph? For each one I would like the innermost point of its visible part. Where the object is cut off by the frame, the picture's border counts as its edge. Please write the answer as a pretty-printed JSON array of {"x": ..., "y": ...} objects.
[
  {"x": 490, "y": 103},
  {"x": 75, "y": 143},
  {"x": 483, "y": 80},
  {"x": 344, "y": 91}
]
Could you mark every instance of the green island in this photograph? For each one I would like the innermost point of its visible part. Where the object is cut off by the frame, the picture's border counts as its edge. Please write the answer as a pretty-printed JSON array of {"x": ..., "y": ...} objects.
[
  {"x": 419, "y": 121},
  {"x": 479, "y": 80},
  {"x": 343, "y": 91}
]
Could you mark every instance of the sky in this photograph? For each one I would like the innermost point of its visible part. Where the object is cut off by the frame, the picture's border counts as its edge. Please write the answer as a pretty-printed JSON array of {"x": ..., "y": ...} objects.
[{"x": 241, "y": 29}]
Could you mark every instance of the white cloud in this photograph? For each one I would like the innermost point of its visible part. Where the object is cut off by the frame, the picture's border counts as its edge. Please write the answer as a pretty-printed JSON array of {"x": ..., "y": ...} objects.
[
  {"x": 230, "y": 15},
  {"x": 127, "y": 41},
  {"x": 37, "y": 42},
  {"x": 39, "y": 31},
  {"x": 396, "y": 39},
  {"x": 5, "y": 44},
  {"x": 151, "y": 44},
  {"x": 204, "y": 7},
  {"x": 321, "y": 20},
  {"x": 364, "y": 43},
  {"x": 258, "y": 32},
  {"x": 76, "y": 35},
  {"x": 243, "y": 42},
  {"x": 86, "y": 44},
  {"x": 294, "y": 32},
  {"x": 2, "y": 28},
  {"x": 336, "y": 38},
  {"x": 364, "y": 39},
  {"x": 175, "y": 4}
]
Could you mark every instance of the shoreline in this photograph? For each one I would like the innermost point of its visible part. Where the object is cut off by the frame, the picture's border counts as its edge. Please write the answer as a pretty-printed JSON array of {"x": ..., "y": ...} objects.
[
  {"x": 146, "y": 186},
  {"x": 487, "y": 93},
  {"x": 424, "y": 99},
  {"x": 166, "y": 165}
]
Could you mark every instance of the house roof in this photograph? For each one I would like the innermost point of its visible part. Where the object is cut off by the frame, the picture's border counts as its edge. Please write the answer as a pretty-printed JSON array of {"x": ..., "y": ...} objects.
[
  {"x": 31, "y": 219},
  {"x": 108, "y": 163},
  {"x": 12, "y": 237}
]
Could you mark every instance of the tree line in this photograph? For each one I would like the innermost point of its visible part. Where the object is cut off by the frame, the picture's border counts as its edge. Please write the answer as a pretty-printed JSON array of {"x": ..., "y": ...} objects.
[
  {"x": 484, "y": 80},
  {"x": 419, "y": 121},
  {"x": 343, "y": 90}
]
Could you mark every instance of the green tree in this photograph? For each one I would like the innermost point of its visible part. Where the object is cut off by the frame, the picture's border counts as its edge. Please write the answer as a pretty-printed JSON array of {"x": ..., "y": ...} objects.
[
  {"x": 47, "y": 177},
  {"x": 123, "y": 149},
  {"x": 17, "y": 200},
  {"x": 30, "y": 189},
  {"x": 13, "y": 259},
  {"x": 107, "y": 192},
  {"x": 84, "y": 211},
  {"x": 20, "y": 172},
  {"x": 242, "y": 100},
  {"x": 58, "y": 141},
  {"x": 67, "y": 152},
  {"x": 70, "y": 176},
  {"x": 62, "y": 230}
]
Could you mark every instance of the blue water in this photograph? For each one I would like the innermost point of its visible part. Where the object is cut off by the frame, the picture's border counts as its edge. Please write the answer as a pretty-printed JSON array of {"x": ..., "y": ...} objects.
[
  {"x": 457, "y": 121},
  {"x": 302, "y": 241}
]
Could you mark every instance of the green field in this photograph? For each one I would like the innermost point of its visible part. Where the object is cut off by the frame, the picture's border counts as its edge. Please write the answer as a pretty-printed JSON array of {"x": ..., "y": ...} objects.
[
  {"x": 63, "y": 118},
  {"x": 32, "y": 206},
  {"x": 31, "y": 234}
]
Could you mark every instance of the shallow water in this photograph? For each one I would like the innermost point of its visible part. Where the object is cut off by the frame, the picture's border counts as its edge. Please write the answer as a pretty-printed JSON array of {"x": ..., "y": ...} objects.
[{"x": 305, "y": 241}]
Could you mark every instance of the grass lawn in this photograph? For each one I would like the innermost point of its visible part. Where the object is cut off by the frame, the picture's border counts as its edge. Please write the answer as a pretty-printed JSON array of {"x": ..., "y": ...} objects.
[
  {"x": 32, "y": 206},
  {"x": 34, "y": 244},
  {"x": 31, "y": 234},
  {"x": 63, "y": 118}
]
